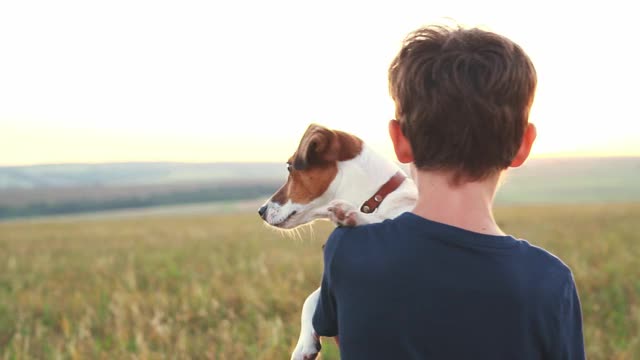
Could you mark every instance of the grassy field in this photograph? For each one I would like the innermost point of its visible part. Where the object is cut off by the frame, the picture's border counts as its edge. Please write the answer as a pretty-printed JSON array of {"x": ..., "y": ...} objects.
[{"x": 226, "y": 287}]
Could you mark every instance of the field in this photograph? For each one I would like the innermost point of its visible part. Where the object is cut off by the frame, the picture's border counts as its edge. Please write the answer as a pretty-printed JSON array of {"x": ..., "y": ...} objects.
[{"x": 226, "y": 287}]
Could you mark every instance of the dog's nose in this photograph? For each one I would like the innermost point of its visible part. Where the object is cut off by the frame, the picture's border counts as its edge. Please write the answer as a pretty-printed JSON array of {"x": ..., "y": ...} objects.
[{"x": 262, "y": 211}]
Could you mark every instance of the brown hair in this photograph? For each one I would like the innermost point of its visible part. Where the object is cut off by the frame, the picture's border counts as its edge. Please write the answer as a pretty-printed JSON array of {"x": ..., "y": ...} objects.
[{"x": 462, "y": 97}]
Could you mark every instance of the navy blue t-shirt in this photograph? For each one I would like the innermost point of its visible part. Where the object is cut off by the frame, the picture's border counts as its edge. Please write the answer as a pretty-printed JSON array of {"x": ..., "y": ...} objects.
[{"x": 411, "y": 288}]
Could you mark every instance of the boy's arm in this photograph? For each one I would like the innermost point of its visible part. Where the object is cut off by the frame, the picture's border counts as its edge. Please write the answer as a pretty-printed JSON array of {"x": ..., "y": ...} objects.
[
  {"x": 325, "y": 318},
  {"x": 569, "y": 343}
]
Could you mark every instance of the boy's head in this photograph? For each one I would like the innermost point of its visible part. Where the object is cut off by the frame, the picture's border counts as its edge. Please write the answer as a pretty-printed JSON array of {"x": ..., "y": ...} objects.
[{"x": 462, "y": 100}]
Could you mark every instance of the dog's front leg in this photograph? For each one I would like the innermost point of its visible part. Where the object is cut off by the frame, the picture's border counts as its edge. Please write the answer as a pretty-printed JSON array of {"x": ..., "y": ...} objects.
[{"x": 308, "y": 345}]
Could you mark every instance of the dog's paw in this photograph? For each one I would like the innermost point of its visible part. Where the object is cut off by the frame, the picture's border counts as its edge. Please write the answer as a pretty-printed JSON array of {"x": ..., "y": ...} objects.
[
  {"x": 342, "y": 213},
  {"x": 307, "y": 349}
]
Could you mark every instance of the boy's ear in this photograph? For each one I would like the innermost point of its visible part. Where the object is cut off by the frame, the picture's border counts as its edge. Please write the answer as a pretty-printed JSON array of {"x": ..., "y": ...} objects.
[
  {"x": 529, "y": 137},
  {"x": 401, "y": 144}
]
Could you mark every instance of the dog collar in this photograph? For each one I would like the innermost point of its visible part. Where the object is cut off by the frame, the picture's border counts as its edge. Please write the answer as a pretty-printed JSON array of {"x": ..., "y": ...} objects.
[{"x": 373, "y": 202}]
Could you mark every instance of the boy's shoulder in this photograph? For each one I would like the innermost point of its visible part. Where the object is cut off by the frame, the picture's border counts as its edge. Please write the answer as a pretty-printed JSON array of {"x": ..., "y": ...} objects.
[
  {"x": 553, "y": 273},
  {"x": 347, "y": 240},
  {"x": 553, "y": 263},
  {"x": 532, "y": 259},
  {"x": 361, "y": 233}
]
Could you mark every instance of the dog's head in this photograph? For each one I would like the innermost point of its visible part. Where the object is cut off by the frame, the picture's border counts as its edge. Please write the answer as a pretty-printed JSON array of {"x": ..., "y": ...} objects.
[{"x": 312, "y": 172}]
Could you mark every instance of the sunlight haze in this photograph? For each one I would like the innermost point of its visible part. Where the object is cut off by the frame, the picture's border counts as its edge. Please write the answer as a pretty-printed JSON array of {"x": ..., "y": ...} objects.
[{"x": 240, "y": 81}]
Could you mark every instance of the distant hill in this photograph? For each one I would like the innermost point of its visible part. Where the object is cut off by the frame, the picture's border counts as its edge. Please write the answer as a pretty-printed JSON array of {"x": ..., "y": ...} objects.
[
  {"x": 555, "y": 180},
  {"x": 124, "y": 174},
  {"x": 72, "y": 188}
]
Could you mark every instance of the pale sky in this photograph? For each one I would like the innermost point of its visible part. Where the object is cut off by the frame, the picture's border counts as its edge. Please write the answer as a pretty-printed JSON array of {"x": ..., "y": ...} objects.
[{"x": 88, "y": 81}]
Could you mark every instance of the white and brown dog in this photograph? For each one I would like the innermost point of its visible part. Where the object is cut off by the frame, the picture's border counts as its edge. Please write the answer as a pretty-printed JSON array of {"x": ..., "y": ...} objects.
[{"x": 330, "y": 172}]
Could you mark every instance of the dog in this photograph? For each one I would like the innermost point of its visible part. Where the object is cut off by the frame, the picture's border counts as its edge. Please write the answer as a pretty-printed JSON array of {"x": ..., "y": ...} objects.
[{"x": 329, "y": 174}]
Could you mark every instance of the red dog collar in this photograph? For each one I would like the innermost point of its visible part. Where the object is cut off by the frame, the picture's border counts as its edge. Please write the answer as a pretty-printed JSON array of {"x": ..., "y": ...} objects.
[{"x": 373, "y": 202}]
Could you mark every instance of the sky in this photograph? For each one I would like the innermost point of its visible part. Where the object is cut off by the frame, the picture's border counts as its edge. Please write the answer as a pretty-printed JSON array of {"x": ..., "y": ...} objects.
[{"x": 89, "y": 81}]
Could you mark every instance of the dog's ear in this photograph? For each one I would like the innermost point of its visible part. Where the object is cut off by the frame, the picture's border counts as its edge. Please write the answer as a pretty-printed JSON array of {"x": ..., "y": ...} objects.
[{"x": 318, "y": 145}]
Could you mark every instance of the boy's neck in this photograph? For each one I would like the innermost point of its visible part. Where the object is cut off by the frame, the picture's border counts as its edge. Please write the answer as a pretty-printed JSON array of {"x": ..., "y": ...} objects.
[{"x": 467, "y": 206}]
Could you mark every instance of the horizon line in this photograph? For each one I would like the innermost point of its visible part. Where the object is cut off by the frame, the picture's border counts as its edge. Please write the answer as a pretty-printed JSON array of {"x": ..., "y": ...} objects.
[{"x": 186, "y": 162}]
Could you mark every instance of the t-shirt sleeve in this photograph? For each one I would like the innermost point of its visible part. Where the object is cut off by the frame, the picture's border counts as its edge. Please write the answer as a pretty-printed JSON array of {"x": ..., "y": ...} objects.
[
  {"x": 325, "y": 318},
  {"x": 569, "y": 344}
]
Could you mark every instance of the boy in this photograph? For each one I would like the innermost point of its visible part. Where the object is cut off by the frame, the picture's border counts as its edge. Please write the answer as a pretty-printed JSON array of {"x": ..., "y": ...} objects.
[{"x": 444, "y": 281}]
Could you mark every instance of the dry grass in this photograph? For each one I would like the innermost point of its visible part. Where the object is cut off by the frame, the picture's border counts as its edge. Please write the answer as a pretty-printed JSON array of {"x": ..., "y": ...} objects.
[{"x": 226, "y": 287}]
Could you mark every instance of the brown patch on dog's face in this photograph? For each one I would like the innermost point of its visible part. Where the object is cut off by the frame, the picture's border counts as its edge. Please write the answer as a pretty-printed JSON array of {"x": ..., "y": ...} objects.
[
  {"x": 305, "y": 185},
  {"x": 313, "y": 166}
]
